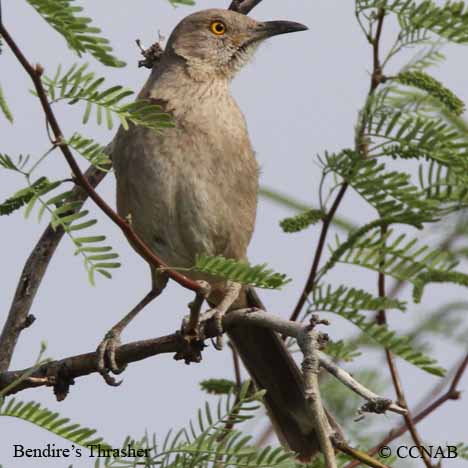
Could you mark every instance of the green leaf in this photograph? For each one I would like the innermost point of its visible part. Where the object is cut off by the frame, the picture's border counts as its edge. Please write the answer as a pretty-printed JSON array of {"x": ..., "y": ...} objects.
[
  {"x": 65, "y": 212},
  {"x": 22, "y": 197},
  {"x": 91, "y": 151},
  {"x": 423, "y": 279},
  {"x": 52, "y": 422},
  {"x": 7, "y": 163},
  {"x": 391, "y": 193},
  {"x": 449, "y": 20},
  {"x": 342, "y": 351},
  {"x": 4, "y": 107},
  {"x": 462, "y": 450},
  {"x": 182, "y": 2},
  {"x": 302, "y": 221},
  {"x": 397, "y": 130},
  {"x": 64, "y": 16},
  {"x": 240, "y": 272},
  {"x": 218, "y": 386},
  {"x": 433, "y": 87},
  {"x": 344, "y": 299},
  {"x": 78, "y": 85},
  {"x": 293, "y": 204},
  {"x": 400, "y": 346},
  {"x": 209, "y": 442},
  {"x": 397, "y": 256}
]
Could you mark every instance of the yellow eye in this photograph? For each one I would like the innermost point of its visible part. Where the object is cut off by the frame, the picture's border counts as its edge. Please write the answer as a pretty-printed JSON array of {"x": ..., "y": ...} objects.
[{"x": 218, "y": 28}]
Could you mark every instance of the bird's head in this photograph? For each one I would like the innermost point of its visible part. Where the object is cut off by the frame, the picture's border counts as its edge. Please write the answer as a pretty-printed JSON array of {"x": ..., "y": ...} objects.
[{"x": 217, "y": 43}]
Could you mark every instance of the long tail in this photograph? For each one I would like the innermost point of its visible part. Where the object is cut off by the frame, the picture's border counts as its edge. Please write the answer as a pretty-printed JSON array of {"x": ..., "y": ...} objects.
[{"x": 273, "y": 369}]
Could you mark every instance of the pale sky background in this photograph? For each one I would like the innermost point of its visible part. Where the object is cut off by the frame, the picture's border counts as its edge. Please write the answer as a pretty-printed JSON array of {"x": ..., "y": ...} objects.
[{"x": 300, "y": 96}]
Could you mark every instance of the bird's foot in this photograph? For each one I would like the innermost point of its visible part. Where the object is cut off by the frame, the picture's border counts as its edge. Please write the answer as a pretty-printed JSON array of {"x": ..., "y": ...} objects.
[
  {"x": 217, "y": 315},
  {"x": 196, "y": 333},
  {"x": 106, "y": 362}
]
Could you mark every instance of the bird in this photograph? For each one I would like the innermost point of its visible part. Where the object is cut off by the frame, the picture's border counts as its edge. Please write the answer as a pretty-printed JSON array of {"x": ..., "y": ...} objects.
[{"x": 192, "y": 189}]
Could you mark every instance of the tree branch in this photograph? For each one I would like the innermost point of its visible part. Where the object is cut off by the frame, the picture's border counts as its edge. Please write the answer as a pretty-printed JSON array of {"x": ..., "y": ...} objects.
[
  {"x": 31, "y": 277},
  {"x": 309, "y": 342},
  {"x": 310, "y": 283},
  {"x": 243, "y": 6},
  {"x": 64, "y": 371}
]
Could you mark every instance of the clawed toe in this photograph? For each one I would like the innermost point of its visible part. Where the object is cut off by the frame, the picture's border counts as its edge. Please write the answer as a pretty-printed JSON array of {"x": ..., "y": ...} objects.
[
  {"x": 218, "y": 342},
  {"x": 106, "y": 362},
  {"x": 197, "y": 332}
]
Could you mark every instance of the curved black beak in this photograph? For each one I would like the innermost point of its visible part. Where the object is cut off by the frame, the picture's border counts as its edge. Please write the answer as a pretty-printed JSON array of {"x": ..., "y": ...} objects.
[{"x": 273, "y": 28}]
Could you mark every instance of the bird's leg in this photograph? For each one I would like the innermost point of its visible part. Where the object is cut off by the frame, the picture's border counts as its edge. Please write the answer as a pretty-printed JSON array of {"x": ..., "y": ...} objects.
[
  {"x": 107, "y": 347},
  {"x": 191, "y": 324},
  {"x": 230, "y": 296}
]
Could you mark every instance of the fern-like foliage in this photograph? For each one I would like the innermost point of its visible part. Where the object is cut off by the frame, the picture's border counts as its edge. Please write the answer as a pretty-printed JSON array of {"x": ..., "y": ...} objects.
[
  {"x": 240, "y": 272},
  {"x": 182, "y": 2},
  {"x": 23, "y": 196},
  {"x": 211, "y": 440},
  {"x": 64, "y": 16},
  {"x": 6, "y": 162},
  {"x": 423, "y": 279},
  {"x": 399, "y": 345},
  {"x": 288, "y": 202},
  {"x": 90, "y": 150},
  {"x": 443, "y": 184},
  {"x": 391, "y": 193},
  {"x": 462, "y": 450},
  {"x": 449, "y": 21},
  {"x": 433, "y": 87},
  {"x": 397, "y": 256},
  {"x": 78, "y": 84},
  {"x": 302, "y": 221},
  {"x": 51, "y": 421},
  {"x": 207, "y": 441},
  {"x": 342, "y": 351},
  {"x": 343, "y": 299},
  {"x": 407, "y": 134},
  {"x": 4, "y": 107},
  {"x": 66, "y": 214},
  {"x": 218, "y": 386}
]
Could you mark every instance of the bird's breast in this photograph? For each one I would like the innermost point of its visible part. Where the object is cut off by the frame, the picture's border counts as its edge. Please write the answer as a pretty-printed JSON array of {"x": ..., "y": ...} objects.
[{"x": 193, "y": 188}]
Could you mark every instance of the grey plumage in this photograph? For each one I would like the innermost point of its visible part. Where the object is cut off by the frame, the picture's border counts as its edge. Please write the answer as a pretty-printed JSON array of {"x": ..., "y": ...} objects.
[{"x": 192, "y": 189}]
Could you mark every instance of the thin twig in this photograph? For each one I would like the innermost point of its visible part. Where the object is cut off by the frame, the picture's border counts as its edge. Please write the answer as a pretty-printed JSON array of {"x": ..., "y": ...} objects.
[
  {"x": 377, "y": 403},
  {"x": 310, "y": 283},
  {"x": 361, "y": 457},
  {"x": 451, "y": 394}
]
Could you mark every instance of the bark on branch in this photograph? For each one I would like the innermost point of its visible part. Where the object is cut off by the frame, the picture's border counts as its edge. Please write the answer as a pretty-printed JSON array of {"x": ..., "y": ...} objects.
[
  {"x": 63, "y": 372},
  {"x": 243, "y": 6}
]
